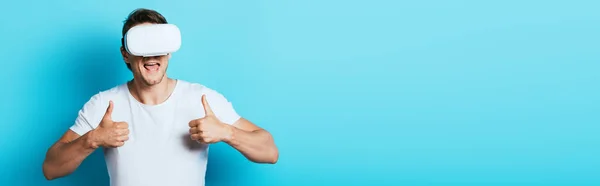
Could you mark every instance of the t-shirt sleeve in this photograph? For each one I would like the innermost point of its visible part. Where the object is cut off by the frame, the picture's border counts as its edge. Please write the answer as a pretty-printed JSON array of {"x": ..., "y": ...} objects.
[
  {"x": 89, "y": 116},
  {"x": 222, "y": 108}
]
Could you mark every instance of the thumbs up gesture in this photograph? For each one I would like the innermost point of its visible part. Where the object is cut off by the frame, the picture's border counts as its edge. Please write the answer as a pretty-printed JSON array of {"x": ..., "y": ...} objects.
[
  {"x": 209, "y": 129},
  {"x": 110, "y": 134}
]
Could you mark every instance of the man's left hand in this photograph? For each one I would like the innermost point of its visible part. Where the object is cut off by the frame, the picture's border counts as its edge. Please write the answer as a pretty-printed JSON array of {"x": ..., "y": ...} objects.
[{"x": 209, "y": 129}]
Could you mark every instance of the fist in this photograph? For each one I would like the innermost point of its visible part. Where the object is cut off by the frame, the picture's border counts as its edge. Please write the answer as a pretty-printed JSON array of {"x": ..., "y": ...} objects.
[
  {"x": 110, "y": 134},
  {"x": 209, "y": 129}
]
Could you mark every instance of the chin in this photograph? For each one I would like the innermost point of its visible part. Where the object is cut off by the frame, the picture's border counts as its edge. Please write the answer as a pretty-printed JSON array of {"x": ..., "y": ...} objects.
[{"x": 153, "y": 80}]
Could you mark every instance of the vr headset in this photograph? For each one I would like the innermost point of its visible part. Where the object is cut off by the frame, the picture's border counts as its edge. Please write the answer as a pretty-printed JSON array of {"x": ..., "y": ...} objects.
[{"x": 152, "y": 40}]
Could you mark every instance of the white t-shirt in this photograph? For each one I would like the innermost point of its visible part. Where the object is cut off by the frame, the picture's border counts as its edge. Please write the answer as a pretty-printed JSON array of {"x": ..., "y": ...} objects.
[{"x": 159, "y": 150}]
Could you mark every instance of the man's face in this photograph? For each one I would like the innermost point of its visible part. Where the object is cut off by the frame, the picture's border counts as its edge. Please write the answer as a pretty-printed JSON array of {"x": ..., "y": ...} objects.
[{"x": 148, "y": 70}]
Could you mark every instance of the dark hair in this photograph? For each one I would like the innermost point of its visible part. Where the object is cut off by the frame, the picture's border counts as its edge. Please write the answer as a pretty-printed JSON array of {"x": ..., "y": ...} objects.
[{"x": 139, "y": 16}]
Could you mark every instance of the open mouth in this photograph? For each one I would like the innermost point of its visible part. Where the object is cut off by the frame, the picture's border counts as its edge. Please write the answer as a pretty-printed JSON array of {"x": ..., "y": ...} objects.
[{"x": 152, "y": 66}]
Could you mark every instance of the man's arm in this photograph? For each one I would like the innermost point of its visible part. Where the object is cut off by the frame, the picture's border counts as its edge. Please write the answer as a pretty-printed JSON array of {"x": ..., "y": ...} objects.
[
  {"x": 68, "y": 152},
  {"x": 66, "y": 155},
  {"x": 253, "y": 142}
]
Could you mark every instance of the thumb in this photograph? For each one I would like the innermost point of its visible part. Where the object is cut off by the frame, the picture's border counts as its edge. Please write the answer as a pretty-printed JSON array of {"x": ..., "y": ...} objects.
[
  {"x": 207, "y": 110},
  {"x": 107, "y": 115}
]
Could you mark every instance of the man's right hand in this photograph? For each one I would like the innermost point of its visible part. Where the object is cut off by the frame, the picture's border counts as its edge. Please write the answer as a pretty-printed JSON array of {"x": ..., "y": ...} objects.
[{"x": 110, "y": 134}]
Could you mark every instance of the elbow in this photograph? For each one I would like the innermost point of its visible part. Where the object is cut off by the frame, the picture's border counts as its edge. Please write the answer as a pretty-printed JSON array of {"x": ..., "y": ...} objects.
[
  {"x": 47, "y": 174},
  {"x": 50, "y": 172},
  {"x": 269, "y": 157},
  {"x": 274, "y": 152},
  {"x": 48, "y": 177},
  {"x": 275, "y": 157}
]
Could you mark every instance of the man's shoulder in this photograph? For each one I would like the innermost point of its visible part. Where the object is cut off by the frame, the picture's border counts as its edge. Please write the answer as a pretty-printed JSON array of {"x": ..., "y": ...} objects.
[
  {"x": 114, "y": 93},
  {"x": 195, "y": 90},
  {"x": 120, "y": 89},
  {"x": 192, "y": 87}
]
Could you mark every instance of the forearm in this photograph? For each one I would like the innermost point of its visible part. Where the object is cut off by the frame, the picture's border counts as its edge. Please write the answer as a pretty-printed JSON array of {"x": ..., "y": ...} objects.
[
  {"x": 63, "y": 158},
  {"x": 258, "y": 146}
]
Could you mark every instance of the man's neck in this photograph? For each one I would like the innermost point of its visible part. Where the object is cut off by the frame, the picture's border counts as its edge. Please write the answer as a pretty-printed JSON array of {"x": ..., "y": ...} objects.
[{"x": 151, "y": 94}]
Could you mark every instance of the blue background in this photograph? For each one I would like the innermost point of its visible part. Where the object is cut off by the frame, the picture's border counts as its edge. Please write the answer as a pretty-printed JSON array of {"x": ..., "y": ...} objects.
[{"x": 376, "y": 92}]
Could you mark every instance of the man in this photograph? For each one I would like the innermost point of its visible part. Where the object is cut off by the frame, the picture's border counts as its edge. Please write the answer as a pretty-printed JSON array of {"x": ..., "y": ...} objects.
[{"x": 155, "y": 130}]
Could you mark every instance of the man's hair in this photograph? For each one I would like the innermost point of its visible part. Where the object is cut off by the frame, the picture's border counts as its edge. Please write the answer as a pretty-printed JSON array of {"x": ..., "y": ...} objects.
[{"x": 139, "y": 16}]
